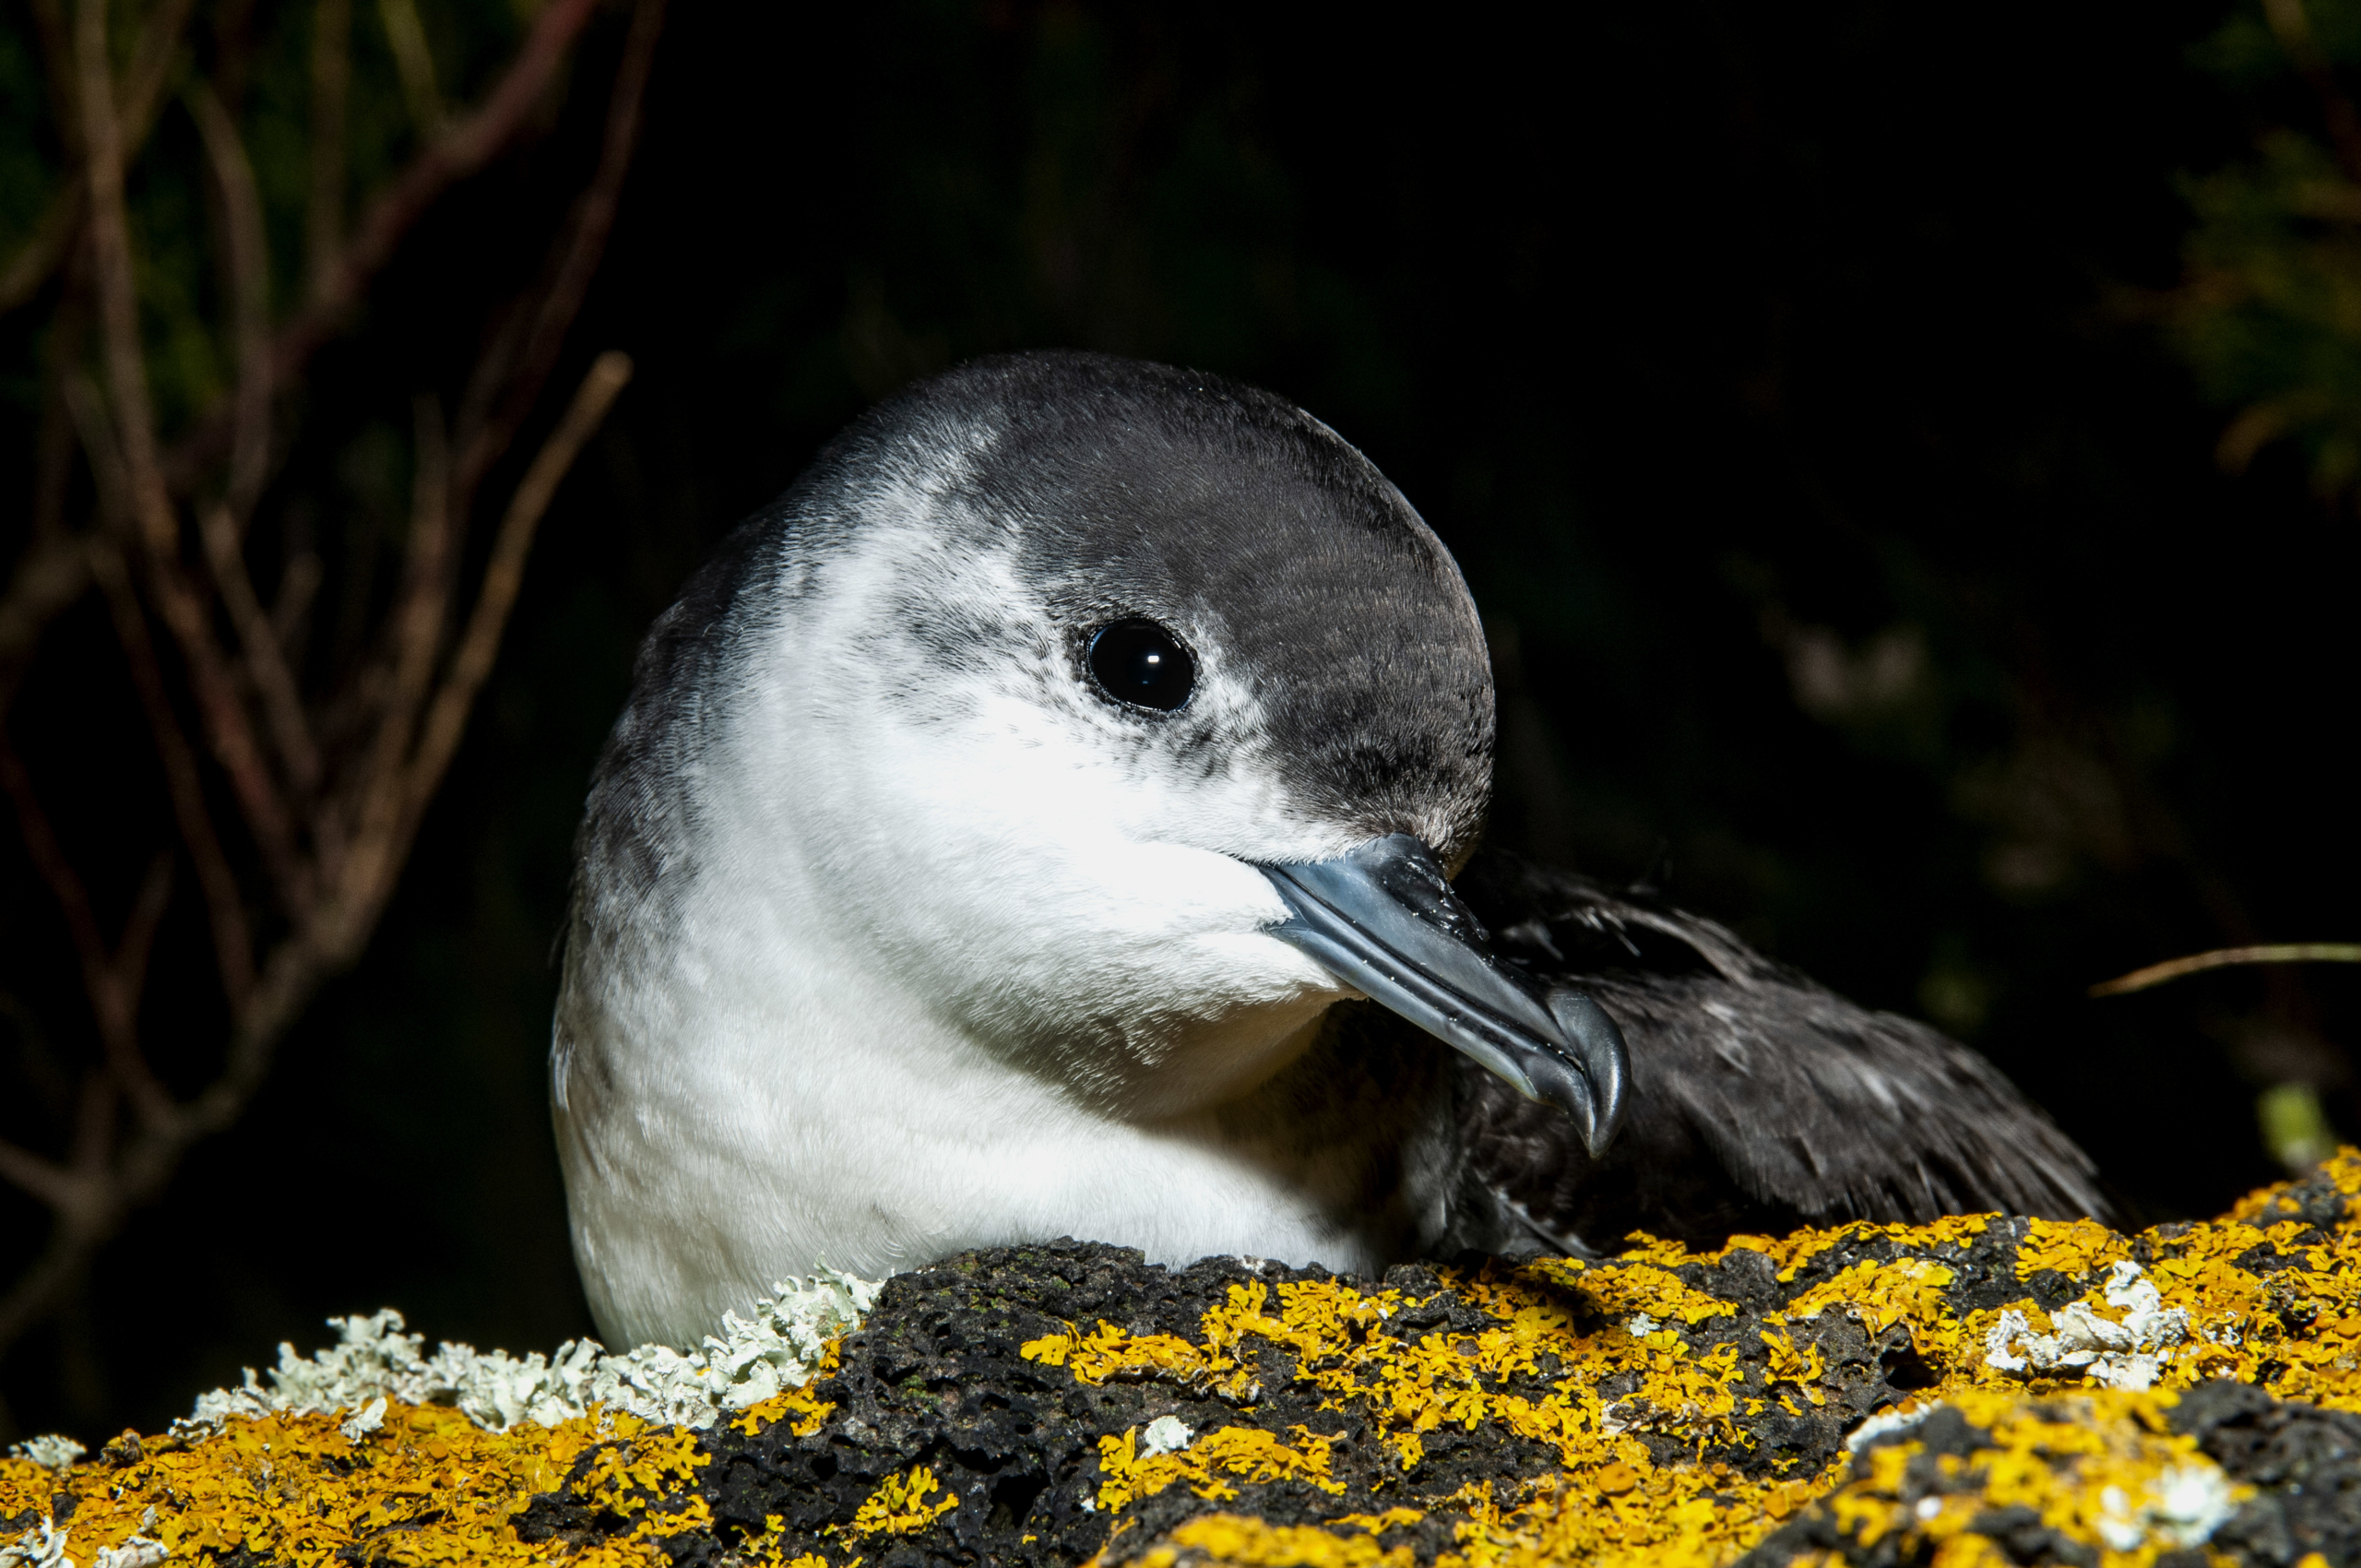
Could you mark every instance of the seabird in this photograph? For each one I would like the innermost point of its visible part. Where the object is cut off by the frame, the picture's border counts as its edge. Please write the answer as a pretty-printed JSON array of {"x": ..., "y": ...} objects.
[{"x": 1044, "y": 821}]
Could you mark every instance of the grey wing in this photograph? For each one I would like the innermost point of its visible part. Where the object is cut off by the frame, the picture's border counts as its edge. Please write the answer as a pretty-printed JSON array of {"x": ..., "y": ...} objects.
[{"x": 1758, "y": 1099}]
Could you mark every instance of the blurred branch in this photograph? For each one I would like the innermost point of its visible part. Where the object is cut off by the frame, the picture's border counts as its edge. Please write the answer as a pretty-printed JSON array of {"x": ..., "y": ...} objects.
[
  {"x": 225, "y": 904},
  {"x": 222, "y": 527},
  {"x": 502, "y": 578},
  {"x": 134, "y": 443},
  {"x": 50, "y": 575},
  {"x": 2223, "y": 957},
  {"x": 32, "y": 263},
  {"x": 387, "y": 808},
  {"x": 247, "y": 262},
  {"x": 465, "y": 148},
  {"x": 245, "y": 774},
  {"x": 142, "y": 94},
  {"x": 112, "y": 977},
  {"x": 331, "y": 72},
  {"x": 326, "y": 929},
  {"x": 416, "y": 626},
  {"x": 405, "y": 36},
  {"x": 140, "y": 482},
  {"x": 511, "y": 374}
]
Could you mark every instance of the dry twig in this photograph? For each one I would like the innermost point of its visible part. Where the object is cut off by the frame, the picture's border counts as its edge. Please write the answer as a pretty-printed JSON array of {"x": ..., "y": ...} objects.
[
  {"x": 142, "y": 95},
  {"x": 2223, "y": 957},
  {"x": 222, "y": 692}
]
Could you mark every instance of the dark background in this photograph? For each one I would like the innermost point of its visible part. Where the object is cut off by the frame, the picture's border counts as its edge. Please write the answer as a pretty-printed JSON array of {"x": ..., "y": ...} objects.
[{"x": 1786, "y": 378}]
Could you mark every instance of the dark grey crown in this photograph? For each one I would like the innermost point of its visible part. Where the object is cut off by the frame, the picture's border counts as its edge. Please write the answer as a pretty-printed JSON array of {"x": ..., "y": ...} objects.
[{"x": 1131, "y": 489}]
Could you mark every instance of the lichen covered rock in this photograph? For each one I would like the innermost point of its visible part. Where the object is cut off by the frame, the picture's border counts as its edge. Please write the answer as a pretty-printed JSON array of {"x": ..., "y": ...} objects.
[{"x": 1977, "y": 1390}]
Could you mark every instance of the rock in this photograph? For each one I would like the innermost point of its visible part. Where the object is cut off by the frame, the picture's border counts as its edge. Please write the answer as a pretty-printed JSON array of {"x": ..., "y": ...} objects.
[{"x": 1987, "y": 1388}]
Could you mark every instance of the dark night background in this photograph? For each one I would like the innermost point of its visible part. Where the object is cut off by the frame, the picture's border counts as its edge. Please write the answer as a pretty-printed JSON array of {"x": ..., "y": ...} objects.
[{"x": 1788, "y": 380}]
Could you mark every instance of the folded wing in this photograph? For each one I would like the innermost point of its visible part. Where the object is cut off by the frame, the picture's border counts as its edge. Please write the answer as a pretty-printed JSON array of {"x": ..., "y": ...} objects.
[{"x": 1759, "y": 1100}]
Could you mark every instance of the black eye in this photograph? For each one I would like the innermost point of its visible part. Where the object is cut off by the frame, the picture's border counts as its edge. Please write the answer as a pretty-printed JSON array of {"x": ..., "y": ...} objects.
[{"x": 1139, "y": 661}]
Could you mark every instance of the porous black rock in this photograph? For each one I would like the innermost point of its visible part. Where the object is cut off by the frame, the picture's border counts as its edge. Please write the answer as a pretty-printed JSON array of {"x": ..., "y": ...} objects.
[
  {"x": 936, "y": 1376},
  {"x": 937, "y": 1382},
  {"x": 2305, "y": 1462}
]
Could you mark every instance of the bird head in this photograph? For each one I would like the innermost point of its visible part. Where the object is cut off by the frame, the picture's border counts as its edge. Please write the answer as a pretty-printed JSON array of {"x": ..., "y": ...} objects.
[{"x": 1129, "y": 717}]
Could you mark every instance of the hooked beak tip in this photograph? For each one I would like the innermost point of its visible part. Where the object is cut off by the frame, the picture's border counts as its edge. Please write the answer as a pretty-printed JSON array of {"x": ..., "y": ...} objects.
[
  {"x": 1594, "y": 1094},
  {"x": 1383, "y": 919}
]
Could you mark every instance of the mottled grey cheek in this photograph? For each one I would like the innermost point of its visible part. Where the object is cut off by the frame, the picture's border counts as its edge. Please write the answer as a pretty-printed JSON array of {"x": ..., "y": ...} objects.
[{"x": 934, "y": 658}]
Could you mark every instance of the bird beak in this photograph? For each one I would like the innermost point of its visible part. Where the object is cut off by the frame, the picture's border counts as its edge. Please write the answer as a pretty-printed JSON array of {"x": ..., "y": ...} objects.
[{"x": 1382, "y": 918}]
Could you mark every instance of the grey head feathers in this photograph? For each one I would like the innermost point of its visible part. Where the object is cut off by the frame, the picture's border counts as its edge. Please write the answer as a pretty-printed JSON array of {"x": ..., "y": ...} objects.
[{"x": 1118, "y": 488}]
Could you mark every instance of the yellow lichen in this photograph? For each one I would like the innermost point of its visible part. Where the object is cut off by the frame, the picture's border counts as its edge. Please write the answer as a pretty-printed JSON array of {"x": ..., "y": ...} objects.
[
  {"x": 2102, "y": 1468},
  {"x": 1803, "y": 1367},
  {"x": 1244, "y": 1453},
  {"x": 1881, "y": 1295},
  {"x": 1250, "y": 1543},
  {"x": 1635, "y": 1288},
  {"x": 2078, "y": 1247},
  {"x": 2088, "y": 1467},
  {"x": 1792, "y": 1253},
  {"x": 902, "y": 1505},
  {"x": 1106, "y": 1352},
  {"x": 429, "y": 1487},
  {"x": 1679, "y": 1517}
]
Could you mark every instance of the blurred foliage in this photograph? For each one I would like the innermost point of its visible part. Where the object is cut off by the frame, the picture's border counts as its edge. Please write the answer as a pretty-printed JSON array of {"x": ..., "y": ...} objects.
[
  {"x": 2269, "y": 313},
  {"x": 258, "y": 58}
]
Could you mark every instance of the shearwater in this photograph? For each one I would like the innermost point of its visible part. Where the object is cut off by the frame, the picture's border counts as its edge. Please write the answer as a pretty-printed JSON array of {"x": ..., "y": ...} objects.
[{"x": 1044, "y": 821}]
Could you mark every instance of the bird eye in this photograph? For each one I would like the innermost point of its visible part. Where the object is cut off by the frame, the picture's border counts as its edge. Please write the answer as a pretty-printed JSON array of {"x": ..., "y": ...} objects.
[{"x": 1139, "y": 661}]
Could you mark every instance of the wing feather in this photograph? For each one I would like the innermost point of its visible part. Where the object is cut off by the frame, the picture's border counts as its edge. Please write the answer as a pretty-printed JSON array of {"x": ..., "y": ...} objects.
[{"x": 1758, "y": 1100}]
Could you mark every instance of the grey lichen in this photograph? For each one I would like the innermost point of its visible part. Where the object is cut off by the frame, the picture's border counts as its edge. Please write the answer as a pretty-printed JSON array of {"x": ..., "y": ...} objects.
[
  {"x": 2116, "y": 1355},
  {"x": 375, "y": 1360},
  {"x": 49, "y": 1450}
]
